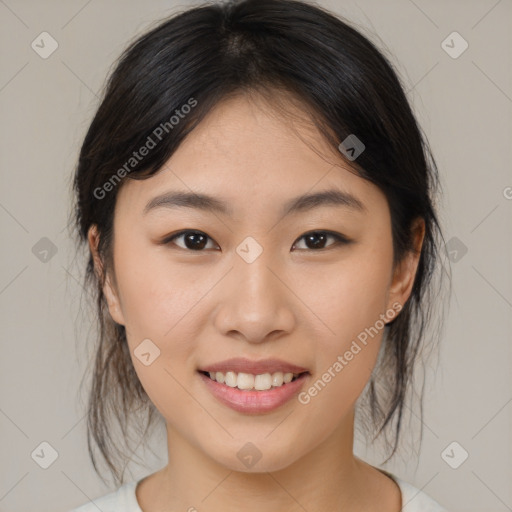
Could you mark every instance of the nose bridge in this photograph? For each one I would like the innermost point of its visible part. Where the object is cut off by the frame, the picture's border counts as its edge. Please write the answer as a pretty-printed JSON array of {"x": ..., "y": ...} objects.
[
  {"x": 251, "y": 267},
  {"x": 257, "y": 302},
  {"x": 257, "y": 285}
]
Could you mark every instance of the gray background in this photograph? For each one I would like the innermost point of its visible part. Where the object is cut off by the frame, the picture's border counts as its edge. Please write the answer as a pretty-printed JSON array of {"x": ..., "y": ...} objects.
[{"x": 464, "y": 105}]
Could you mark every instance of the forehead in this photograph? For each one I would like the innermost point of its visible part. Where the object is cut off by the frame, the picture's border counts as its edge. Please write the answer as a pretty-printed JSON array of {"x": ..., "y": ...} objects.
[
  {"x": 253, "y": 128},
  {"x": 245, "y": 152}
]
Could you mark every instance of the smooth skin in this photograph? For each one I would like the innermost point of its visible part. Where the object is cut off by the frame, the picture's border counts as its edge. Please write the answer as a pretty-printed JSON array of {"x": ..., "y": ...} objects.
[{"x": 297, "y": 301}]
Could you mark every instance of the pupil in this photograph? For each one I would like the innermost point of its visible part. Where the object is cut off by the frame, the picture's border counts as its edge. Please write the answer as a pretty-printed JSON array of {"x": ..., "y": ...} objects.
[
  {"x": 192, "y": 243},
  {"x": 315, "y": 238}
]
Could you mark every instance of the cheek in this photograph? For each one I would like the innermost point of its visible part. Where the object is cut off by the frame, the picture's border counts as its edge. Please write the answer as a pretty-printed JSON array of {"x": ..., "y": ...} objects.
[
  {"x": 160, "y": 303},
  {"x": 347, "y": 297},
  {"x": 349, "y": 300},
  {"x": 154, "y": 294}
]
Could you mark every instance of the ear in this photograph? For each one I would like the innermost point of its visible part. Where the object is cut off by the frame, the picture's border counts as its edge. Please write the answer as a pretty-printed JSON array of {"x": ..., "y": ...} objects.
[
  {"x": 111, "y": 295},
  {"x": 405, "y": 272}
]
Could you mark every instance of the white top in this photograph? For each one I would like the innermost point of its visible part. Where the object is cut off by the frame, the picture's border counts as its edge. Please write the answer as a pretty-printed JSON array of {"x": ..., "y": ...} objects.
[{"x": 125, "y": 500}]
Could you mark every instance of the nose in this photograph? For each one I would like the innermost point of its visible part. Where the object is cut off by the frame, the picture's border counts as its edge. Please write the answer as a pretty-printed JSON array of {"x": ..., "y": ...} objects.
[{"x": 256, "y": 302}]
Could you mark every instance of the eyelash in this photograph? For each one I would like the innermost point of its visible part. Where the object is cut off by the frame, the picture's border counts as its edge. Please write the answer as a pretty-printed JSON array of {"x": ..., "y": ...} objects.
[{"x": 340, "y": 239}]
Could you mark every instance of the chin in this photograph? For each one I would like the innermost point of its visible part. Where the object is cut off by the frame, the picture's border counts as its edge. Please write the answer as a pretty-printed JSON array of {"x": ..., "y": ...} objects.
[{"x": 248, "y": 457}]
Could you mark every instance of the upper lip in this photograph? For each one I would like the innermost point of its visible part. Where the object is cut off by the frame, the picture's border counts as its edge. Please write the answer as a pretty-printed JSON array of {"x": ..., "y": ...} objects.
[{"x": 242, "y": 365}]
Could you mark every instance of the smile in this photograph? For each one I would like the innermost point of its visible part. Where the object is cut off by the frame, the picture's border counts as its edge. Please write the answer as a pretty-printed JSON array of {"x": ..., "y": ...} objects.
[{"x": 238, "y": 392}]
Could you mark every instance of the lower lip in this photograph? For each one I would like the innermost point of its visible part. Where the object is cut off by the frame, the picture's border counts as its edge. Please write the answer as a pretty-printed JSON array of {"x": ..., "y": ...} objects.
[{"x": 254, "y": 401}]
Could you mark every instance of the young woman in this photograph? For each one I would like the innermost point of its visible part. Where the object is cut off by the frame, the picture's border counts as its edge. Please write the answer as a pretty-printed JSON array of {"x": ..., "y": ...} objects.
[{"x": 258, "y": 201}]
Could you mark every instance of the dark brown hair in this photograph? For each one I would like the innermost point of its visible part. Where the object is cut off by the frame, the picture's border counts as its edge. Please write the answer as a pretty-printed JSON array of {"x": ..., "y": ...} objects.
[{"x": 346, "y": 85}]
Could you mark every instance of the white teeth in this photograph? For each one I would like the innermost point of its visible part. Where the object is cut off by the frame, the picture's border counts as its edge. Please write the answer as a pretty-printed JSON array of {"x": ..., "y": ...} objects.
[
  {"x": 248, "y": 381},
  {"x": 263, "y": 382},
  {"x": 277, "y": 379},
  {"x": 230, "y": 379},
  {"x": 245, "y": 381}
]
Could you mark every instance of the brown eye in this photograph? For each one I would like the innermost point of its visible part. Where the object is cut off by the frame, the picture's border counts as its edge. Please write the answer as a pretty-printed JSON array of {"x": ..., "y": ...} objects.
[
  {"x": 316, "y": 240},
  {"x": 192, "y": 240}
]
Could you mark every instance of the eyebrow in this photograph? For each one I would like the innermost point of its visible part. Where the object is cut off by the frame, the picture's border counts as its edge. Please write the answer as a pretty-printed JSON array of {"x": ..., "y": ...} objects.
[{"x": 303, "y": 203}]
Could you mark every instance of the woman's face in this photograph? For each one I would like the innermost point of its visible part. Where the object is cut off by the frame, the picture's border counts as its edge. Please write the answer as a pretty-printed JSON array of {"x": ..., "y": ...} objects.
[{"x": 254, "y": 286}]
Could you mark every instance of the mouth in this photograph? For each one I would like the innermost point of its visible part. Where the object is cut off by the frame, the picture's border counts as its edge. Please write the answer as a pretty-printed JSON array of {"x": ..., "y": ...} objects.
[{"x": 254, "y": 394}]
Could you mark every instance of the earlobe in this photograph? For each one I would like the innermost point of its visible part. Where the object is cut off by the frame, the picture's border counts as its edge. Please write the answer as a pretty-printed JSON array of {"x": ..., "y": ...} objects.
[
  {"x": 114, "y": 306},
  {"x": 405, "y": 272},
  {"x": 108, "y": 289}
]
